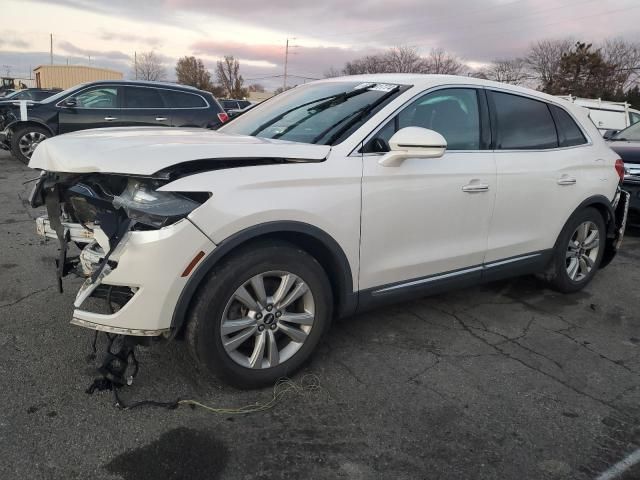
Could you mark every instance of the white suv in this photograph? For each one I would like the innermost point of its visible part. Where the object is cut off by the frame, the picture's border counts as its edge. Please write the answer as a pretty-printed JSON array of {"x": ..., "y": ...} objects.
[{"x": 329, "y": 199}]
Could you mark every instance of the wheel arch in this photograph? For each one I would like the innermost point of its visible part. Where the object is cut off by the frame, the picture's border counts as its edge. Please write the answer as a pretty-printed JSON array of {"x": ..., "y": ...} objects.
[
  {"x": 603, "y": 205},
  {"x": 20, "y": 124},
  {"x": 315, "y": 241}
]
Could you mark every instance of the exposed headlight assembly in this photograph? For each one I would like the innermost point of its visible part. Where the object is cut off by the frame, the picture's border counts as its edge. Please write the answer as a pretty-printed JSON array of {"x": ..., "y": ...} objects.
[{"x": 154, "y": 208}]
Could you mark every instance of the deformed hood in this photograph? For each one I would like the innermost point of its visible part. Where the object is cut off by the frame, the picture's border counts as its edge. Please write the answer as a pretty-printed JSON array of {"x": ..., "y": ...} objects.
[{"x": 146, "y": 150}]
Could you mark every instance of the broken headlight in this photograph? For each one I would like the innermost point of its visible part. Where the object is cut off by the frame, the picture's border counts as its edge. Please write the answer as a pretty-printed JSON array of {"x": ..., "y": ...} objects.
[{"x": 154, "y": 208}]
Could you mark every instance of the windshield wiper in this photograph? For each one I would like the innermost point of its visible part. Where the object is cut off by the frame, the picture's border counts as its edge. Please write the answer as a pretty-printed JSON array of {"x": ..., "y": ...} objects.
[
  {"x": 327, "y": 102},
  {"x": 354, "y": 118}
]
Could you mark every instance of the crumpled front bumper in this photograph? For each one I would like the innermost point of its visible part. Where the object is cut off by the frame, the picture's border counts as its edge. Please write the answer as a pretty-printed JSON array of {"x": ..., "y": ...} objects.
[{"x": 151, "y": 263}]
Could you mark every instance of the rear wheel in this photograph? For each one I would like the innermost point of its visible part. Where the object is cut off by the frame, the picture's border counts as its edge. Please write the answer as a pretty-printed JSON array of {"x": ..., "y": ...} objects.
[
  {"x": 25, "y": 140},
  {"x": 579, "y": 251},
  {"x": 260, "y": 314}
]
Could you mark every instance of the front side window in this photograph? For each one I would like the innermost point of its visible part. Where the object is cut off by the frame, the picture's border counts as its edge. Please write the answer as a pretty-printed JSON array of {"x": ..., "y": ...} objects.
[
  {"x": 101, "y": 97},
  {"x": 323, "y": 113},
  {"x": 452, "y": 112},
  {"x": 141, "y": 97},
  {"x": 523, "y": 123},
  {"x": 569, "y": 134},
  {"x": 634, "y": 118}
]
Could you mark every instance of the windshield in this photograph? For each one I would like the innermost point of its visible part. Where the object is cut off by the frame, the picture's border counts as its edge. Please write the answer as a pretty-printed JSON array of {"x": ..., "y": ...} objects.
[
  {"x": 629, "y": 133},
  {"x": 62, "y": 94},
  {"x": 322, "y": 113}
]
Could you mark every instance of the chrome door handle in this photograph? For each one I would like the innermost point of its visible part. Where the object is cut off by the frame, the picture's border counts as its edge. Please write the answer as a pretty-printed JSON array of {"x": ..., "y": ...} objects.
[
  {"x": 108, "y": 119},
  {"x": 566, "y": 180},
  {"x": 160, "y": 119},
  {"x": 475, "y": 188}
]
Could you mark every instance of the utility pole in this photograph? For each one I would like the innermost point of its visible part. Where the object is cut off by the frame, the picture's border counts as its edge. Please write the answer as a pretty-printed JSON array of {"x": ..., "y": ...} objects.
[
  {"x": 286, "y": 62},
  {"x": 51, "y": 48}
]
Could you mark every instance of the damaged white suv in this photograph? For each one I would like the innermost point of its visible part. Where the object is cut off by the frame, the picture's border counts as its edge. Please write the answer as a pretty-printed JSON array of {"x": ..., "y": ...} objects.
[{"x": 329, "y": 199}]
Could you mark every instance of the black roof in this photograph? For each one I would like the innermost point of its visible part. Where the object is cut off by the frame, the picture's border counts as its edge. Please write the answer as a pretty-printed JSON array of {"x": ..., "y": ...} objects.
[{"x": 146, "y": 83}]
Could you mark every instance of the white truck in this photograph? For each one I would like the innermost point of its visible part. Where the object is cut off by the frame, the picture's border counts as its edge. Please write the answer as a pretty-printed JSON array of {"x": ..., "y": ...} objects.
[{"x": 606, "y": 115}]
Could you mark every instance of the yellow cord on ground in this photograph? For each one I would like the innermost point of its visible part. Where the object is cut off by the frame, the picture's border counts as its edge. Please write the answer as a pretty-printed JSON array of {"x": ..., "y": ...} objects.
[{"x": 309, "y": 383}]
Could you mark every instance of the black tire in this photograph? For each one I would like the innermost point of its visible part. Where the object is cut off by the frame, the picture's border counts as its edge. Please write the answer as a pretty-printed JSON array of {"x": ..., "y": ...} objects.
[
  {"x": 203, "y": 331},
  {"x": 558, "y": 275},
  {"x": 17, "y": 135}
]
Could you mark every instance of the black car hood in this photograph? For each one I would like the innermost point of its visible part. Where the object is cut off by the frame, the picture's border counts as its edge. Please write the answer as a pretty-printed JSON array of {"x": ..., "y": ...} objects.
[{"x": 629, "y": 151}]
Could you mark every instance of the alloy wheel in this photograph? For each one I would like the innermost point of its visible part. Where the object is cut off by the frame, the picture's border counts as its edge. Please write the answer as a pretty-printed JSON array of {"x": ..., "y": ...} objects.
[
  {"x": 267, "y": 319},
  {"x": 29, "y": 141},
  {"x": 582, "y": 251}
]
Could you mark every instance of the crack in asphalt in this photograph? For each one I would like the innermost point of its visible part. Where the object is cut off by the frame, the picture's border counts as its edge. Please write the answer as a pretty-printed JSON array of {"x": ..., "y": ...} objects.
[
  {"x": 30, "y": 294},
  {"x": 506, "y": 354}
]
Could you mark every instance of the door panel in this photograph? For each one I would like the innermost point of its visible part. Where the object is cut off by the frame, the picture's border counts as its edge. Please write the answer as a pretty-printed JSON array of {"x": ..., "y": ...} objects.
[
  {"x": 532, "y": 203},
  {"x": 429, "y": 216},
  {"x": 539, "y": 181},
  {"x": 417, "y": 220}
]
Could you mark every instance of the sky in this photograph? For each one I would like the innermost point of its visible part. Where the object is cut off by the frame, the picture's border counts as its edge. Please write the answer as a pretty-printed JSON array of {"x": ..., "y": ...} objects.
[{"x": 322, "y": 33}]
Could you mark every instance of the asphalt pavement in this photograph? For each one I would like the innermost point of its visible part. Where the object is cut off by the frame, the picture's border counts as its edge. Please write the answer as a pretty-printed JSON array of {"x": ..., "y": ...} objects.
[{"x": 505, "y": 381}]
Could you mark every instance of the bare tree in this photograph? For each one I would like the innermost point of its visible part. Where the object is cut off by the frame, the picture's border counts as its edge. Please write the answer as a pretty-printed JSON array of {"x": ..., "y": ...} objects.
[
  {"x": 442, "y": 62},
  {"x": 368, "y": 64},
  {"x": 256, "y": 87},
  {"x": 624, "y": 57},
  {"x": 511, "y": 71},
  {"x": 403, "y": 59},
  {"x": 332, "y": 72},
  {"x": 148, "y": 66},
  {"x": 191, "y": 71},
  {"x": 544, "y": 59},
  {"x": 228, "y": 73}
]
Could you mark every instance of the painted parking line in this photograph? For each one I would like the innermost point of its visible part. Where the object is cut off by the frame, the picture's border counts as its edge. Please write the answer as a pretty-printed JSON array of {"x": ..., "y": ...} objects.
[{"x": 621, "y": 467}]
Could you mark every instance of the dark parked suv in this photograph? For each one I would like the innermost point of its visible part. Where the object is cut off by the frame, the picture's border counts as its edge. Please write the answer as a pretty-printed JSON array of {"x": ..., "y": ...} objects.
[{"x": 107, "y": 104}]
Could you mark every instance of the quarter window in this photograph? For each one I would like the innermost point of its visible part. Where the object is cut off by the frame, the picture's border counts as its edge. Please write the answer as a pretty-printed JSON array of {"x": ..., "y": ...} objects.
[
  {"x": 102, "y": 97},
  {"x": 175, "y": 99},
  {"x": 569, "y": 134},
  {"x": 523, "y": 123},
  {"x": 140, "y": 97},
  {"x": 634, "y": 118},
  {"x": 452, "y": 112}
]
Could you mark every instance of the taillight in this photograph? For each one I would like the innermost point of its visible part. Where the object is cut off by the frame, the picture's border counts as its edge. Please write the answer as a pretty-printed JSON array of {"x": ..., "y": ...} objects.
[
  {"x": 620, "y": 169},
  {"x": 223, "y": 117}
]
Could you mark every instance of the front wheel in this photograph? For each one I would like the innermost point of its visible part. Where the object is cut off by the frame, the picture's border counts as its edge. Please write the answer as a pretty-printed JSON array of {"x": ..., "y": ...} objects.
[
  {"x": 578, "y": 251},
  {"x": 260, "y": 314},
  {"x": 25, "y": 140}
]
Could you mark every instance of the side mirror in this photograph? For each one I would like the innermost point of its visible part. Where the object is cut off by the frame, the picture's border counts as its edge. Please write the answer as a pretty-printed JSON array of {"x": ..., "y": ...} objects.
[
  {"x": 413, "y": 142},
  {"x": 70, "y": 102},
  {"x": 609, "y": 134}
]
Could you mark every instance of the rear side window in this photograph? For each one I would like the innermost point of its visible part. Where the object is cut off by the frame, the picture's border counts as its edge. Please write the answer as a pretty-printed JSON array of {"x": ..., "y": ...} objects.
[
  {"x": 569, "y": 134},
  {"x": 177, "y": 99},
  {"x": 523, "y": 123},
  {"x": 140, "y": 97}
]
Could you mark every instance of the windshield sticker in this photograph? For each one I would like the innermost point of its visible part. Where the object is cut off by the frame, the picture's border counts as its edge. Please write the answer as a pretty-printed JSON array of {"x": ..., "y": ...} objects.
[
  {"x": 362, "y": 85},
  {"x": 383, "y": 87}
]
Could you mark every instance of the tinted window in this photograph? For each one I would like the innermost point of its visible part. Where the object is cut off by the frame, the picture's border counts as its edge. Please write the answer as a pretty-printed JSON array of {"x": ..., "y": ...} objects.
[
  {"x": 451, "y": 112},
  {"x": 100, "y": 97},
  {"x": 244, "y": 103},
  {"x": 569, "y": 133},
  {"x": 40, "y": 95},
  {"x": 140, "y": 97},
  {"x": 229, "y": 104},
  {"x": 523, "y": 123},
  {"x": 177, "y": 99}
]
